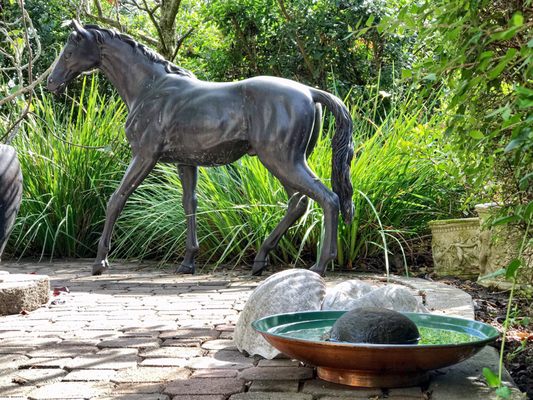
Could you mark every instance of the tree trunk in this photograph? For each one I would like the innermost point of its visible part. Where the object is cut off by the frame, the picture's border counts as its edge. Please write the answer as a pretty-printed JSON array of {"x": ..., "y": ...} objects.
[{"x": 167, "y": 25}]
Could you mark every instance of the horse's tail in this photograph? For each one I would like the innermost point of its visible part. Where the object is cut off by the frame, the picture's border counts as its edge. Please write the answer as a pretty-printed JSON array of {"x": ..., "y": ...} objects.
[{"x": 342, "y": 145}]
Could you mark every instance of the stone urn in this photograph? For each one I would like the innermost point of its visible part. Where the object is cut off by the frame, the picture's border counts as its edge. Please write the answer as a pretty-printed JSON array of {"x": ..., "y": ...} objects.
[
  {"x": 10, "y": 191},
  {"x": 498, "y": 246},
  {"x": 455, "y": 247}
]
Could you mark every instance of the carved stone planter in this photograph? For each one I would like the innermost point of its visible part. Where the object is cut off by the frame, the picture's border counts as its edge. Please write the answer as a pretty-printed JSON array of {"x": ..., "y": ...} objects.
[
  {"x": 10, "y": 191},
  {"x": 498, "y": 246},
  {"x": 455, "y": 247}
]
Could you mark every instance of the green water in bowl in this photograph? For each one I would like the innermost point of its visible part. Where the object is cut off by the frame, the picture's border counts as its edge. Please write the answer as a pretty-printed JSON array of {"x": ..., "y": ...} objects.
[{"x": 427, "y": 335}]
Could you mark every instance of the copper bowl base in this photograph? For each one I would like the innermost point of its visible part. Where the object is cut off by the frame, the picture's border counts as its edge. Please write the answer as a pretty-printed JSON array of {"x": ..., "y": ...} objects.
[{"x": 372, "y": 379}]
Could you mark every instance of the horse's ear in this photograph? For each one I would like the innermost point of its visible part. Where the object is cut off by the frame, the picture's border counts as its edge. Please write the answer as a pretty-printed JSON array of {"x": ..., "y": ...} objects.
[{"x": 80, "y": 30}]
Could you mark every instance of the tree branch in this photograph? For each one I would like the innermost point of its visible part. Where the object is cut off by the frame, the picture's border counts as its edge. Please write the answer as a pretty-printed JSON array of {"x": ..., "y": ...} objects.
[
  {"x": 151, "y": 15},
  {"x": 111, "y": 22},
  {"x": 299, "y": 42},
  {"x": 28, "y": 88},
  {"x": 179, "y": 43}
]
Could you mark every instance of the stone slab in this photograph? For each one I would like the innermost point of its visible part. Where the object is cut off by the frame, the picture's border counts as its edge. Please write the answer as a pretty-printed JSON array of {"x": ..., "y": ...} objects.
[
  {"x": 70, "y": 390},
  {"x": 271, "y": 396},
  {"x": 219, "y": 386},
  {"x": 20, "y": 292},
  {"x": 87, "y": 375},
  {"x": 150, "y": 374},
  {"x": 143, "y": 396},
  {"x": 200, "y": 397},
  {"x": 276, "y": 373},
  {"x": 318, "y": 387},
  {"x": 274, "y": 386},
  {"x": 172, "y": 352},
  {"x": 465, "y": 380}
]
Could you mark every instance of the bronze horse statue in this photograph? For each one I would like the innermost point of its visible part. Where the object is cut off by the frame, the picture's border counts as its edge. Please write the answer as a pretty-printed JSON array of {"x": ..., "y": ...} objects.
[{"x": 176, "y": 118}]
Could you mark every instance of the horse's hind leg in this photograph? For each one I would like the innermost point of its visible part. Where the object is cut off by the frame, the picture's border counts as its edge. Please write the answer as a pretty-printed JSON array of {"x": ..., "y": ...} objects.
[
  {"x": 139, "y": 168},
  {"x": 189, "y": 177},
  {"x": 296, "y": 208},
  {"x": 297, "y": 175}
]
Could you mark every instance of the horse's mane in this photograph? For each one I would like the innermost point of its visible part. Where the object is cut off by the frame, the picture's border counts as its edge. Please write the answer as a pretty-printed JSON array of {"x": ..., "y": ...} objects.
[{"x": 101, "y": 33}]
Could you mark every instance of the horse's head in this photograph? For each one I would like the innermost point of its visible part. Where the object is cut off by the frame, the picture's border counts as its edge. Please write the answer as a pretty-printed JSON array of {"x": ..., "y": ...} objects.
[{"x": 81, "y": 53}]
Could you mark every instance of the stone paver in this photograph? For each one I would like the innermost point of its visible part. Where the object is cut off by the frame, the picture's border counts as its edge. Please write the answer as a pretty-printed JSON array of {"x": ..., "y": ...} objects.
[
  {"x": 87, "y": 375},
  {"x": 70, "y": 390},
  {"x": 143, "y": 333},
  {"x": 274, "y": 386},
  {"x": 321, "y": 388},
  {"x": 221, "y": 386},
  {"x": 276, "y": 373},
  {"x": 150, "y": 374},
  {"x": 271, "y": 396}
]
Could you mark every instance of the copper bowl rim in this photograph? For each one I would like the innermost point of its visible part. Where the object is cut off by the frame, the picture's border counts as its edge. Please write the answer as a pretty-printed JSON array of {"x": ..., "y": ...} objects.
[{"x": 476, "y": 343}]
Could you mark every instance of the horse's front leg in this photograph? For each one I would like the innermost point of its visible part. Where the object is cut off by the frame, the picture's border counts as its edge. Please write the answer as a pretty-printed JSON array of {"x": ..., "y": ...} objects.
[
  {"x": 139, "y": 168},
  {"x": 189, "y": 177}
]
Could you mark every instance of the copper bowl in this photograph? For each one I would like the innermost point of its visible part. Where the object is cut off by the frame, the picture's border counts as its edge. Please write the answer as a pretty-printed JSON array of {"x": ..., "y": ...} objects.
[{"x": 371, "y": 365}]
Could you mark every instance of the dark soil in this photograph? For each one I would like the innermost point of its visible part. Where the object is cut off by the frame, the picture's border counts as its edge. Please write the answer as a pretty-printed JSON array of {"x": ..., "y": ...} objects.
[{"x": 490, "y": 307}]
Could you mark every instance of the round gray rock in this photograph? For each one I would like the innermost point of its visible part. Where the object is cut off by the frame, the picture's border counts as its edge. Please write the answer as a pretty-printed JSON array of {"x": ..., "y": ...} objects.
[
  {"x": 23, "y": 292},
  {"x": 374, "y": 325},
  {"x": 287, "y": 291}
]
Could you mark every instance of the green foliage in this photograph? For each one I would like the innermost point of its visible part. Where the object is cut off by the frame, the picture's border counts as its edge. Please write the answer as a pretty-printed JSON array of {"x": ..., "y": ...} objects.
[
  {"x": 67, "y": 156},
  {"x": 310, "y": 42},
  {"x": 482, "y": 53},
  {"x": 47, "y": 17}
]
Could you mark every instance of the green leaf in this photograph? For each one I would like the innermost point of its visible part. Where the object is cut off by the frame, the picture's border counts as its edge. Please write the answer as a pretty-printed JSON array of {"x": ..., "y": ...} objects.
[
  {"x": 476, "y": 134},
  {"x": 370, "y": 20},
  {"x": 498, "y": 69},
  {"x": 491, "y": 377},
  {"x": 495, "y": 274},
  {"x": 406, "y": 73},
  {"x": 504, "y": 392},
  {"x": 513, "y": 144},
  {"x": 505, "y": 220},
  {"x": 507, "y": 34},
  {"x": 530, "y": 44},
  {"x": 512, "y": 268},
  {"x": 528, "y": 213},
  {"x": 517, "y": 19},
  {"x": 430, "y": 77},
  {"x": 525, "y": 103},
  {"x": 485, "y": 54},
  {"x": 524, "y": 90}
]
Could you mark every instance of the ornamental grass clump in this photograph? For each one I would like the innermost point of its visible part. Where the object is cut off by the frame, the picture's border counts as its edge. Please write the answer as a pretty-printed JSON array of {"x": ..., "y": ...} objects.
[{"x": 68, "y": 154}]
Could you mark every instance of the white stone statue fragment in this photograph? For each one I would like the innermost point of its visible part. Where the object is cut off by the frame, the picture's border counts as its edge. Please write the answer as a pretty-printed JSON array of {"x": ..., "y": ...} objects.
[
  {"x": 345, "y": 292},
  {"x": 284, "y": 292},
  {"x": 392, "y": 297}
]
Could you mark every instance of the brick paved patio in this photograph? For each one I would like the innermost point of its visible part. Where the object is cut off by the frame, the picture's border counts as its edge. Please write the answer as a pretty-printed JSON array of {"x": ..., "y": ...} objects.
[{"x": 143, "y": 333}]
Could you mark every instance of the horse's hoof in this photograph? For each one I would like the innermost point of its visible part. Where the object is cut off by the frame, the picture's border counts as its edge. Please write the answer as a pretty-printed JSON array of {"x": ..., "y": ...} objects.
[
  {"x": 318, "y": 270},
  {"x": 100, "y": 267},
  {"x": 258, "y": 267},
  {"x": 185, "y": 269}
]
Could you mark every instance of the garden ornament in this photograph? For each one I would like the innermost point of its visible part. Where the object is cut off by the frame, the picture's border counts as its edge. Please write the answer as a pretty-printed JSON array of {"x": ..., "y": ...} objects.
[{"x": 176, "y": 118}]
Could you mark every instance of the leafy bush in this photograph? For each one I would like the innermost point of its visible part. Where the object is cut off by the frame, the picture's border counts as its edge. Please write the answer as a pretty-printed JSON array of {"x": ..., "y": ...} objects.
[{"x": 311, "y": 42}]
